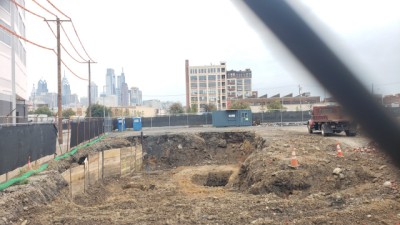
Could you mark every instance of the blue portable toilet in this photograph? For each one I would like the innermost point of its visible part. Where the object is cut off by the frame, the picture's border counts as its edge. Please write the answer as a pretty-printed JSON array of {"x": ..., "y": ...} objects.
[
  {"x": 232, "y": 118},
  {"x": 137, "y": 123},
  {"x": 121, "y": 124}
]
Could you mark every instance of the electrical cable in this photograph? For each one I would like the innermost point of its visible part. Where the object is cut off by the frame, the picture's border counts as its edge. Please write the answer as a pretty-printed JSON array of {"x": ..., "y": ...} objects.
[
  {"x": 41, "y": 46},
  {"x": 62, "y": 44},
  {"x": 71, "y": 43},
  {"x": 81, "y": 41},
  {"x": 19, "y": 36},
  {"x": 22, "y": 7},
  {"x": 44, "y": 8},
  {"x": 76, "y": 33},
  {"x": 58, "y": 10}
]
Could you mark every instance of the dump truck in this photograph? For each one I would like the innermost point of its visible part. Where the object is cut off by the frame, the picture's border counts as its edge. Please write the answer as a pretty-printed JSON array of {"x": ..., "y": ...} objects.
[{"x": 330, "y": 119}]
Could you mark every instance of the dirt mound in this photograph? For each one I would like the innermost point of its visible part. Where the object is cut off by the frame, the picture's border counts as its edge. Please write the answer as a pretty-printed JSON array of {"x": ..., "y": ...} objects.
[{"x": 39, "y": 190}]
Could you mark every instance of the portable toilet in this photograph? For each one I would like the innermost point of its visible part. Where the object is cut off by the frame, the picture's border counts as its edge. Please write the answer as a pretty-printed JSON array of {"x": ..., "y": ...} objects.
[
  {"x": 137, "y": 123},
  {"x": 121, "y": 124},
  {"x": 232, "y": 118}
]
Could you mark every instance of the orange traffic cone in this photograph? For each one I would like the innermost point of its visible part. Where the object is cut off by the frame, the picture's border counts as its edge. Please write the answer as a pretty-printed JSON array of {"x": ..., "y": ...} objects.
[
  {"x": 339, "y": 150},
  {"x": 293, "y": 162}
]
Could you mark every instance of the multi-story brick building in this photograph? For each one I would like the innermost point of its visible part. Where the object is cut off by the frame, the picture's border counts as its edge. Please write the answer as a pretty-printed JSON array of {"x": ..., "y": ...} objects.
[{"x": 206, "y": 85}]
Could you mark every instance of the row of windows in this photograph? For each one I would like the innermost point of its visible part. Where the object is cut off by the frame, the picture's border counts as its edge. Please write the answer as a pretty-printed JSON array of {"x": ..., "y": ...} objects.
[
  {"x": 204, "y": 77},
  {"x": 204, "y": 98},
  {"x": 204, "y": 84},
  {"x": 204, "y": 70},
  {"x": 5, "y": 4},
  {"x": 239, "y": 75},
  {"x": 5, "y": 37}
]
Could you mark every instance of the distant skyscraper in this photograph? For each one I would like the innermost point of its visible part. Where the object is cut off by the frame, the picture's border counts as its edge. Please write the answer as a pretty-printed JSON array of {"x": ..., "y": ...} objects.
[
  {"x": 42, "y": 87},
  {"x": 93, "y": 93},
  {"x": 110, "y": 82},
  {"x": 136, "y": 96},
  {"x": 122, "y": 97},
  {"x": 66, "y": 91}
]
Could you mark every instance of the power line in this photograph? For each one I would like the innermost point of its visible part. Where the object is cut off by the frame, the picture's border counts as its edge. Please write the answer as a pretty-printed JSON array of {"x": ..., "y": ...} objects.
[
  {"x": 44, "y": 8},
  {"x": 58, "y": 10},
  {"x": 72, "y": 22},
  {"x": 72, "y": 44},
  {"x": 19, "y": 36},
  {"x": 62, "y": 44},
  {"x": 76, "y": 33},
  {"x": 22, "y": 7},
  {"x": 41, "y": 46}
]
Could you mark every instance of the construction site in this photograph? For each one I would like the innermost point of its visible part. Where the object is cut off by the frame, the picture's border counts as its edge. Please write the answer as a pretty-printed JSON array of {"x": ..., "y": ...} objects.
[{"x": 204, "y": 175}]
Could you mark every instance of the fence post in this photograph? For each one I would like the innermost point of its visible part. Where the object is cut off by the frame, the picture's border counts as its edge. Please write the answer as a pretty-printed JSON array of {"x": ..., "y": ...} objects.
[
  {"x": 69, "y": 127},
  {"x": 169, "y": 120},
  {"x": 70, "y": 180},
  {"x": 77, "y": 132},
  {"x": 84, "y": 130},
  {"x": 151, "y": 122},
  {"x": 187, "y": 119}
]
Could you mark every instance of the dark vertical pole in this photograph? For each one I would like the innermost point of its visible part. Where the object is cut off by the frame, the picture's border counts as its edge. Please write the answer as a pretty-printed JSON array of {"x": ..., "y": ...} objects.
[
  {"x": 59, "y": 98},
  {"x": 90, "y": 99}
]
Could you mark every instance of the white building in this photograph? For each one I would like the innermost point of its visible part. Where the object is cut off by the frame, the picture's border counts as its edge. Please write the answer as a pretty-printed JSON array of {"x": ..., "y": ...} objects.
[
  {"x": 206, "y": 85},
  {"x": 13, "y": 76}
]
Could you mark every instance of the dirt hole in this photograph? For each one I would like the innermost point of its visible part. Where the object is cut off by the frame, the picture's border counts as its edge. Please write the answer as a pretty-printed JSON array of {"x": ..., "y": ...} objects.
[{"x": 212, "y": 179}]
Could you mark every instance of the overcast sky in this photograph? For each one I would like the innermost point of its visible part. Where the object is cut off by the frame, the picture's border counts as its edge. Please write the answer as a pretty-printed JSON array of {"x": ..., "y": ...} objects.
[{"x": 151, "y": 39}]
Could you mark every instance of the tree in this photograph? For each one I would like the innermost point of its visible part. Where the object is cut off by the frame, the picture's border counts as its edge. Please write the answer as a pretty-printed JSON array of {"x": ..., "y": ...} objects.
[
  {"x": 44, "y": 110},
  {"x": 240, "y": 105},
  {"x": 192, "y": 109},
  {"x": 210, "y": 107},
  {"x": 67, "y": 113},
  {"x": 98, "y": 110},
  {"x": 275, "y": 105},
  {"x": 176, "y": 108}
]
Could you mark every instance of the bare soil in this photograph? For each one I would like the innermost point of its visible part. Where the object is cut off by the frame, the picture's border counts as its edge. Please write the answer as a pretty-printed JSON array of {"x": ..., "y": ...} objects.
[{"x": 224, "y": 176}]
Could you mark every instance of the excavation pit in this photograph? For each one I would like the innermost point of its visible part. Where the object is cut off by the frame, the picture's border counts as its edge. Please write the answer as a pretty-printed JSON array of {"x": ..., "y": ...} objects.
[{"x": 212, "y": 179}]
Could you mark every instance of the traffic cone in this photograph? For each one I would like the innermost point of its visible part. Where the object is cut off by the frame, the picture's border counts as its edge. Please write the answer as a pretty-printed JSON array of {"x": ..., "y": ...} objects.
[
  {"x": 293, "y": 162},
  {"x": 339, "y": 150}
]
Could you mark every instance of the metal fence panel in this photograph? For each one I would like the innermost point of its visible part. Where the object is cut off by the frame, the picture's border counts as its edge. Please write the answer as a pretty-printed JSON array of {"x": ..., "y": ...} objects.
[{"x": 20, "y": 143}]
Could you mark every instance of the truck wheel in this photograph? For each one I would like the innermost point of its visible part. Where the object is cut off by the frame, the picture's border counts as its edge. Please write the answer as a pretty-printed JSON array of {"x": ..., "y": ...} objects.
[
  {"x": 310, "y": 130},
  {"x": 350, "y": 133},
  {"x": 323, "y": 130}
]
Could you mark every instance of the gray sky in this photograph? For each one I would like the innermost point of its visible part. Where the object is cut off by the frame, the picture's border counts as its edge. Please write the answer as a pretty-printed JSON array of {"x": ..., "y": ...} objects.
[{"x": 150, "y": 40}]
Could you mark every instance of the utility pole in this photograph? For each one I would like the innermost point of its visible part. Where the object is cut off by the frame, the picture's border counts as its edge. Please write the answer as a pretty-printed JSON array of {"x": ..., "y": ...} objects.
[
  {"x": 59, "y": 94},
  {"x": 90, "y": 89}
]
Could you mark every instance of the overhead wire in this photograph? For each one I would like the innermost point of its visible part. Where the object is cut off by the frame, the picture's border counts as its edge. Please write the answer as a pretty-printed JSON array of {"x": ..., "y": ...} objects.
[
  {"x": 19, "y": 36},
  {"x": 81, "y": 41},
  {"x": 58, "y": 10},
  {"x": 76, "y": 33},
  {"x": 10, "y": 31},
  {"x": 22, "y": 7},
  {"x": 44, "y": 8},
  {"x": 41, "y": 46},
  {"x": 62, "y": 27},
  {"x": 62, "y": 44}
]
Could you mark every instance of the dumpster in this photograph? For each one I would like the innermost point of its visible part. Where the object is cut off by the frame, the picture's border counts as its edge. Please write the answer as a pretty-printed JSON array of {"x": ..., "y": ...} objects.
[
  {"x": 137, "y": 123},
  {"x": 121, "y": 124},
  {"x": 232, "y": 118}
]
